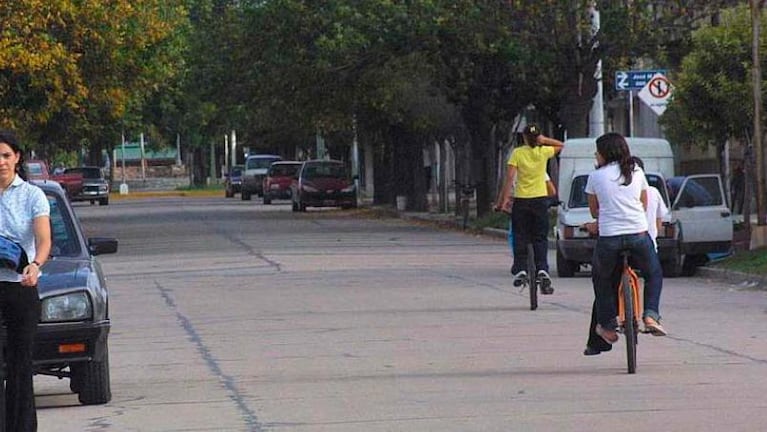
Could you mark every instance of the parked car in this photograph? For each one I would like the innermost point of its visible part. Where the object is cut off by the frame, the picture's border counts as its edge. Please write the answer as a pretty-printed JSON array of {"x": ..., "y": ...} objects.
[
  {"x": 233, "y": 181},
  {"x": 278, "y": 178},
  {"x": 323, "y": 183},
  {"x": 255, "y": 170},
  {"x": 37, "y": 170},
  {"x": 72, "y": 337},
  {"x": 85, "y": 183}
]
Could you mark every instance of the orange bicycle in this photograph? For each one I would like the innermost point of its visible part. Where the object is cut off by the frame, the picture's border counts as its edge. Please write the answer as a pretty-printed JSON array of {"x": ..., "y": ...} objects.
[{"x": 629, "y": 309}]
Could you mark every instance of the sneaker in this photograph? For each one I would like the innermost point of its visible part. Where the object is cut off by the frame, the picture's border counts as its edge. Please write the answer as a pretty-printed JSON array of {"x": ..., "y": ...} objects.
[
  {"x": 519, "y": 279},
  {"x": 653, "y": 327},
  {"x": 545, "y": 281},
  {"x": 610, "y": 336}
]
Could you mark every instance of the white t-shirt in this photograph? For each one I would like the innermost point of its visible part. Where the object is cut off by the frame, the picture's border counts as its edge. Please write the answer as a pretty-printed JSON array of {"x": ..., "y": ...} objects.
[
  {"x": 620, "y": 209},
  {"x": 656, "y": 209}
]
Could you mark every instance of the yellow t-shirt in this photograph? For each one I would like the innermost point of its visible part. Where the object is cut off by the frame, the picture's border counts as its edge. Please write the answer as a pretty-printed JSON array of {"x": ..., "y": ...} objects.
[{"x": 531, "y": 170}]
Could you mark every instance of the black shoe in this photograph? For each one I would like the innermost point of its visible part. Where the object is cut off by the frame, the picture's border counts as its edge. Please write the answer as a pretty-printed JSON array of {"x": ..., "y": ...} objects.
[{"x": 592, "y": 351}]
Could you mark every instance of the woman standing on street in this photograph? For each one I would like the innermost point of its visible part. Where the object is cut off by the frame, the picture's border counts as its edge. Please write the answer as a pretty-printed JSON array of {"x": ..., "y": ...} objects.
[{"x": 24, "y": 221}]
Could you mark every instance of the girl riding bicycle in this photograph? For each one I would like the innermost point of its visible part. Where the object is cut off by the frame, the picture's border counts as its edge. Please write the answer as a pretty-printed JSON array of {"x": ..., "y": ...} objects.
[
  {"x": 526, "y": 179},
  {"x": 617, "y": 196}
]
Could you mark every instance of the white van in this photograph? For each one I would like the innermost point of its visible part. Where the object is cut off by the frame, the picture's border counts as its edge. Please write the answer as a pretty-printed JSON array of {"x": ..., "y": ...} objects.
[{"x": 681, "y": 245}]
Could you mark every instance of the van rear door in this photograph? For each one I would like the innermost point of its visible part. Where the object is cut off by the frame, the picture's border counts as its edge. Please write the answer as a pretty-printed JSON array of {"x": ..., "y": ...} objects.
[{"x": 703, "y": 215}]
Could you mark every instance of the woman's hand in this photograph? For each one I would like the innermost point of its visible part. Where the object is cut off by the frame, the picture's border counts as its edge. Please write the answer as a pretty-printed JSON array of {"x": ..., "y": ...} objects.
[{"x": 30, "y": 275}]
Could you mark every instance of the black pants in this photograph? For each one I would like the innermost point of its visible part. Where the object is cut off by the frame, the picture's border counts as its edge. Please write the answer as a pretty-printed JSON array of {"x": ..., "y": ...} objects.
[
  {"x": 20, "y": 309},
  {"x": 530, "y": 220}
]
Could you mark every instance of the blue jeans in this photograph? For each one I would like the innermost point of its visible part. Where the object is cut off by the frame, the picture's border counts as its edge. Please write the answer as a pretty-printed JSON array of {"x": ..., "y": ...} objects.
[{"x": 606, "y": 268}]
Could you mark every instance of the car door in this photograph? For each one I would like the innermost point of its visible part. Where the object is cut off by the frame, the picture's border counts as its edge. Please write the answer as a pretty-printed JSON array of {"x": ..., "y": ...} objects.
[{"x": 702, "y": 211}]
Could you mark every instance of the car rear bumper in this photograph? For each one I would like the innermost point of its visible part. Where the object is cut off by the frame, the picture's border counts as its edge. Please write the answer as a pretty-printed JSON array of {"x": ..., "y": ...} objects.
[{"x": 581, "y": 250}]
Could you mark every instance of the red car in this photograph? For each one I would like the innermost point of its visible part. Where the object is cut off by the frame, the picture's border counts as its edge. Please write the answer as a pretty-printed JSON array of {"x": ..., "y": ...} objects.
[
  {"x": 278, "y": 178},
  {"x": 323, "y": 183}
]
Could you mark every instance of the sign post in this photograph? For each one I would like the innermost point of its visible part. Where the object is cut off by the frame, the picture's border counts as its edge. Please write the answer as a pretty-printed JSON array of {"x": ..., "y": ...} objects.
[{"x": 631, "y": 81}]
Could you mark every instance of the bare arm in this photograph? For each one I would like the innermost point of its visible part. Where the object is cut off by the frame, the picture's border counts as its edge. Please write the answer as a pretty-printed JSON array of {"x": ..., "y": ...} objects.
[
  {"x": 503, "y": 200},
  {"x": 551, "y": 142},
  {"x": 593, "y": 205},
  {"x": 42, "y": 228}
]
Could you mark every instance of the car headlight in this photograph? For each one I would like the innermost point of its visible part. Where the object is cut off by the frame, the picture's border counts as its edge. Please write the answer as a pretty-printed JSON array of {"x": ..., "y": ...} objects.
[
  {"x": 103, "y": 188},
  {"x": 68, "y": 307},
  {"x": 308, "y": 188}
]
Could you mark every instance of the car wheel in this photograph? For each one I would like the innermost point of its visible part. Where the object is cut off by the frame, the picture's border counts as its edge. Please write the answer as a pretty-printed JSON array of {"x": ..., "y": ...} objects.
[
  {"x": 295, "y": 206},
  {"x": 245, "y": 196},
  {"x": 267, "y": 199},
  {"x": 228, "y": 193},
  {"x": 674, "y": 267},
  {"x": 565, "y": 268},
  {"x": 91, "y": 381},
  {"x": 104, "y": 201}
]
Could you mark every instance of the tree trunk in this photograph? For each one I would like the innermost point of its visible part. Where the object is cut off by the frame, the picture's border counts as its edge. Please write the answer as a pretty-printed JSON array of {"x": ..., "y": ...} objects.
[{"x": 756, "y": 15}]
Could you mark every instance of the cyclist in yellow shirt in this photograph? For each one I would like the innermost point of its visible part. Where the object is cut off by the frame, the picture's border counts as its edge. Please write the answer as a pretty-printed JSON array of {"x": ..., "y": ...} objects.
[{"x": 526, "y": 179}]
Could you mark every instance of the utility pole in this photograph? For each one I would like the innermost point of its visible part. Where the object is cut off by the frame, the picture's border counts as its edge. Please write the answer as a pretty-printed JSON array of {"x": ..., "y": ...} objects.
[
  {"x": 756, "y": 16},
  {"x": 597, "y": 114}
]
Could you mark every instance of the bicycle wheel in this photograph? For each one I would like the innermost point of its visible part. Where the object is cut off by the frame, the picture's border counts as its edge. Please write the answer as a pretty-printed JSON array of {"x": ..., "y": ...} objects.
[
  {"x": 629, "y": 323},
  {"x": 532, "y": 278}
]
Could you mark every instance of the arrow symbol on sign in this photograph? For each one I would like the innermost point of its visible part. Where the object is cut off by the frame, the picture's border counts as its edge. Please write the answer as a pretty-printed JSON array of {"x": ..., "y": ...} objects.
[{"x": 622, "y": 80}]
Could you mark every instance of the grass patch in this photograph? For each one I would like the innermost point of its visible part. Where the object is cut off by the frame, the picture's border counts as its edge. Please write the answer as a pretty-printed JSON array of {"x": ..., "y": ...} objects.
[
  {"x": 753, "y": 261},
  {"x": 491, "y": 220}
]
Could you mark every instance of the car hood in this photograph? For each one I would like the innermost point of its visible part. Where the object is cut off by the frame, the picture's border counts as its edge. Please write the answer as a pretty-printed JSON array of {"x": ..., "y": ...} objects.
[{"x": 63, "y": 274}]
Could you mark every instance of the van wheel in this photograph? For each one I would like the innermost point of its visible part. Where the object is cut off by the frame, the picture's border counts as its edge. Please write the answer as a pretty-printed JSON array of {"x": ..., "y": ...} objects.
[
  {"x": 690, "y": 264},
  {"x": 565, "y": 268},
  {"x": 674, "y": 267}
]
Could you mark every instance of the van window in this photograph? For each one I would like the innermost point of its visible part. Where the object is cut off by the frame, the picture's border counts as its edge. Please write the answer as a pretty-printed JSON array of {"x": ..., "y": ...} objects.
[
  {"x": 657, "y": 182},
  {"x": 701, "y": 192},
  {"x": 578, "y": 198}
]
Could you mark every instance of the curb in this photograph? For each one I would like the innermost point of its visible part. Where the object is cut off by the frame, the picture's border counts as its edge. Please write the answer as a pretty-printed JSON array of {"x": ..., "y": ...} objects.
[{"x": 734, "y": 277}]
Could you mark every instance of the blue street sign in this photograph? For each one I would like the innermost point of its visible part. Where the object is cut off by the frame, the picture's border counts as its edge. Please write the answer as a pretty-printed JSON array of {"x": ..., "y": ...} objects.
[{"x": 634, "y": 80}]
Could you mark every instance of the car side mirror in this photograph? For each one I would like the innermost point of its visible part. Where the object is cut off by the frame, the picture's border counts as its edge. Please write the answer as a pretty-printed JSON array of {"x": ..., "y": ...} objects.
[{"x": 102, "y": 245}]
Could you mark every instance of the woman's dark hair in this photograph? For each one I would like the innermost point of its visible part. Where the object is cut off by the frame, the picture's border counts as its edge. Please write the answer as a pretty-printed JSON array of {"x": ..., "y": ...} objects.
[
  {"x": 8, "y": 137},
  {"x": 614, "y": 148}
]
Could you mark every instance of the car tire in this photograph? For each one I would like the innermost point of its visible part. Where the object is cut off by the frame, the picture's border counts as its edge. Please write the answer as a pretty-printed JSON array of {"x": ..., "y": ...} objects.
[
  {"x": 228, "y": 194},
  {"x": 245, "y": 195},
  {"x": 267, "y": 199},
  {"x": 91, "y": 380},
  {"x": 565, "y": 268},
  {"x": 104, "y": 201},
  {"x": 294, "y": 206}
]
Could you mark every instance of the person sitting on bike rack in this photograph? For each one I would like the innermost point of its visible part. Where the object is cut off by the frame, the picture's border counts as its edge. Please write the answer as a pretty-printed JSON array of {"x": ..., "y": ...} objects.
[
  {"x": 617, "y": 196},
  {"x": 526, "y": 179}
]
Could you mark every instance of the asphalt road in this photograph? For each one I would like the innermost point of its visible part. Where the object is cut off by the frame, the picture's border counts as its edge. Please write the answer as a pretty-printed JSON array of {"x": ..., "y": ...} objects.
[{"x": 234, "y": 316}]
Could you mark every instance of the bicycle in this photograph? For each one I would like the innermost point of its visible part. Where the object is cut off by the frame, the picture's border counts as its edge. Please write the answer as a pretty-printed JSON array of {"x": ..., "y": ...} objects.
[
  {"x": 467, "y": 192},
  {"x": 629, "y": 309},
  {"x": 532, "y": 284}
]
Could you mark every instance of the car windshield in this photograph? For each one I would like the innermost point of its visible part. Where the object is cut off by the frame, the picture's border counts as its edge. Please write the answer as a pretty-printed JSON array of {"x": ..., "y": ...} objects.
[
  {"x": 236, "y": 171},
  {"x": 62, "y": 229},
  {"x": 324, "y": 171},
  {"x": 260, "y": 162},
  {"x": 89, "y": 173},
  {"x": 578, "y": 198},
  {"x": 284, "y": 170}
]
